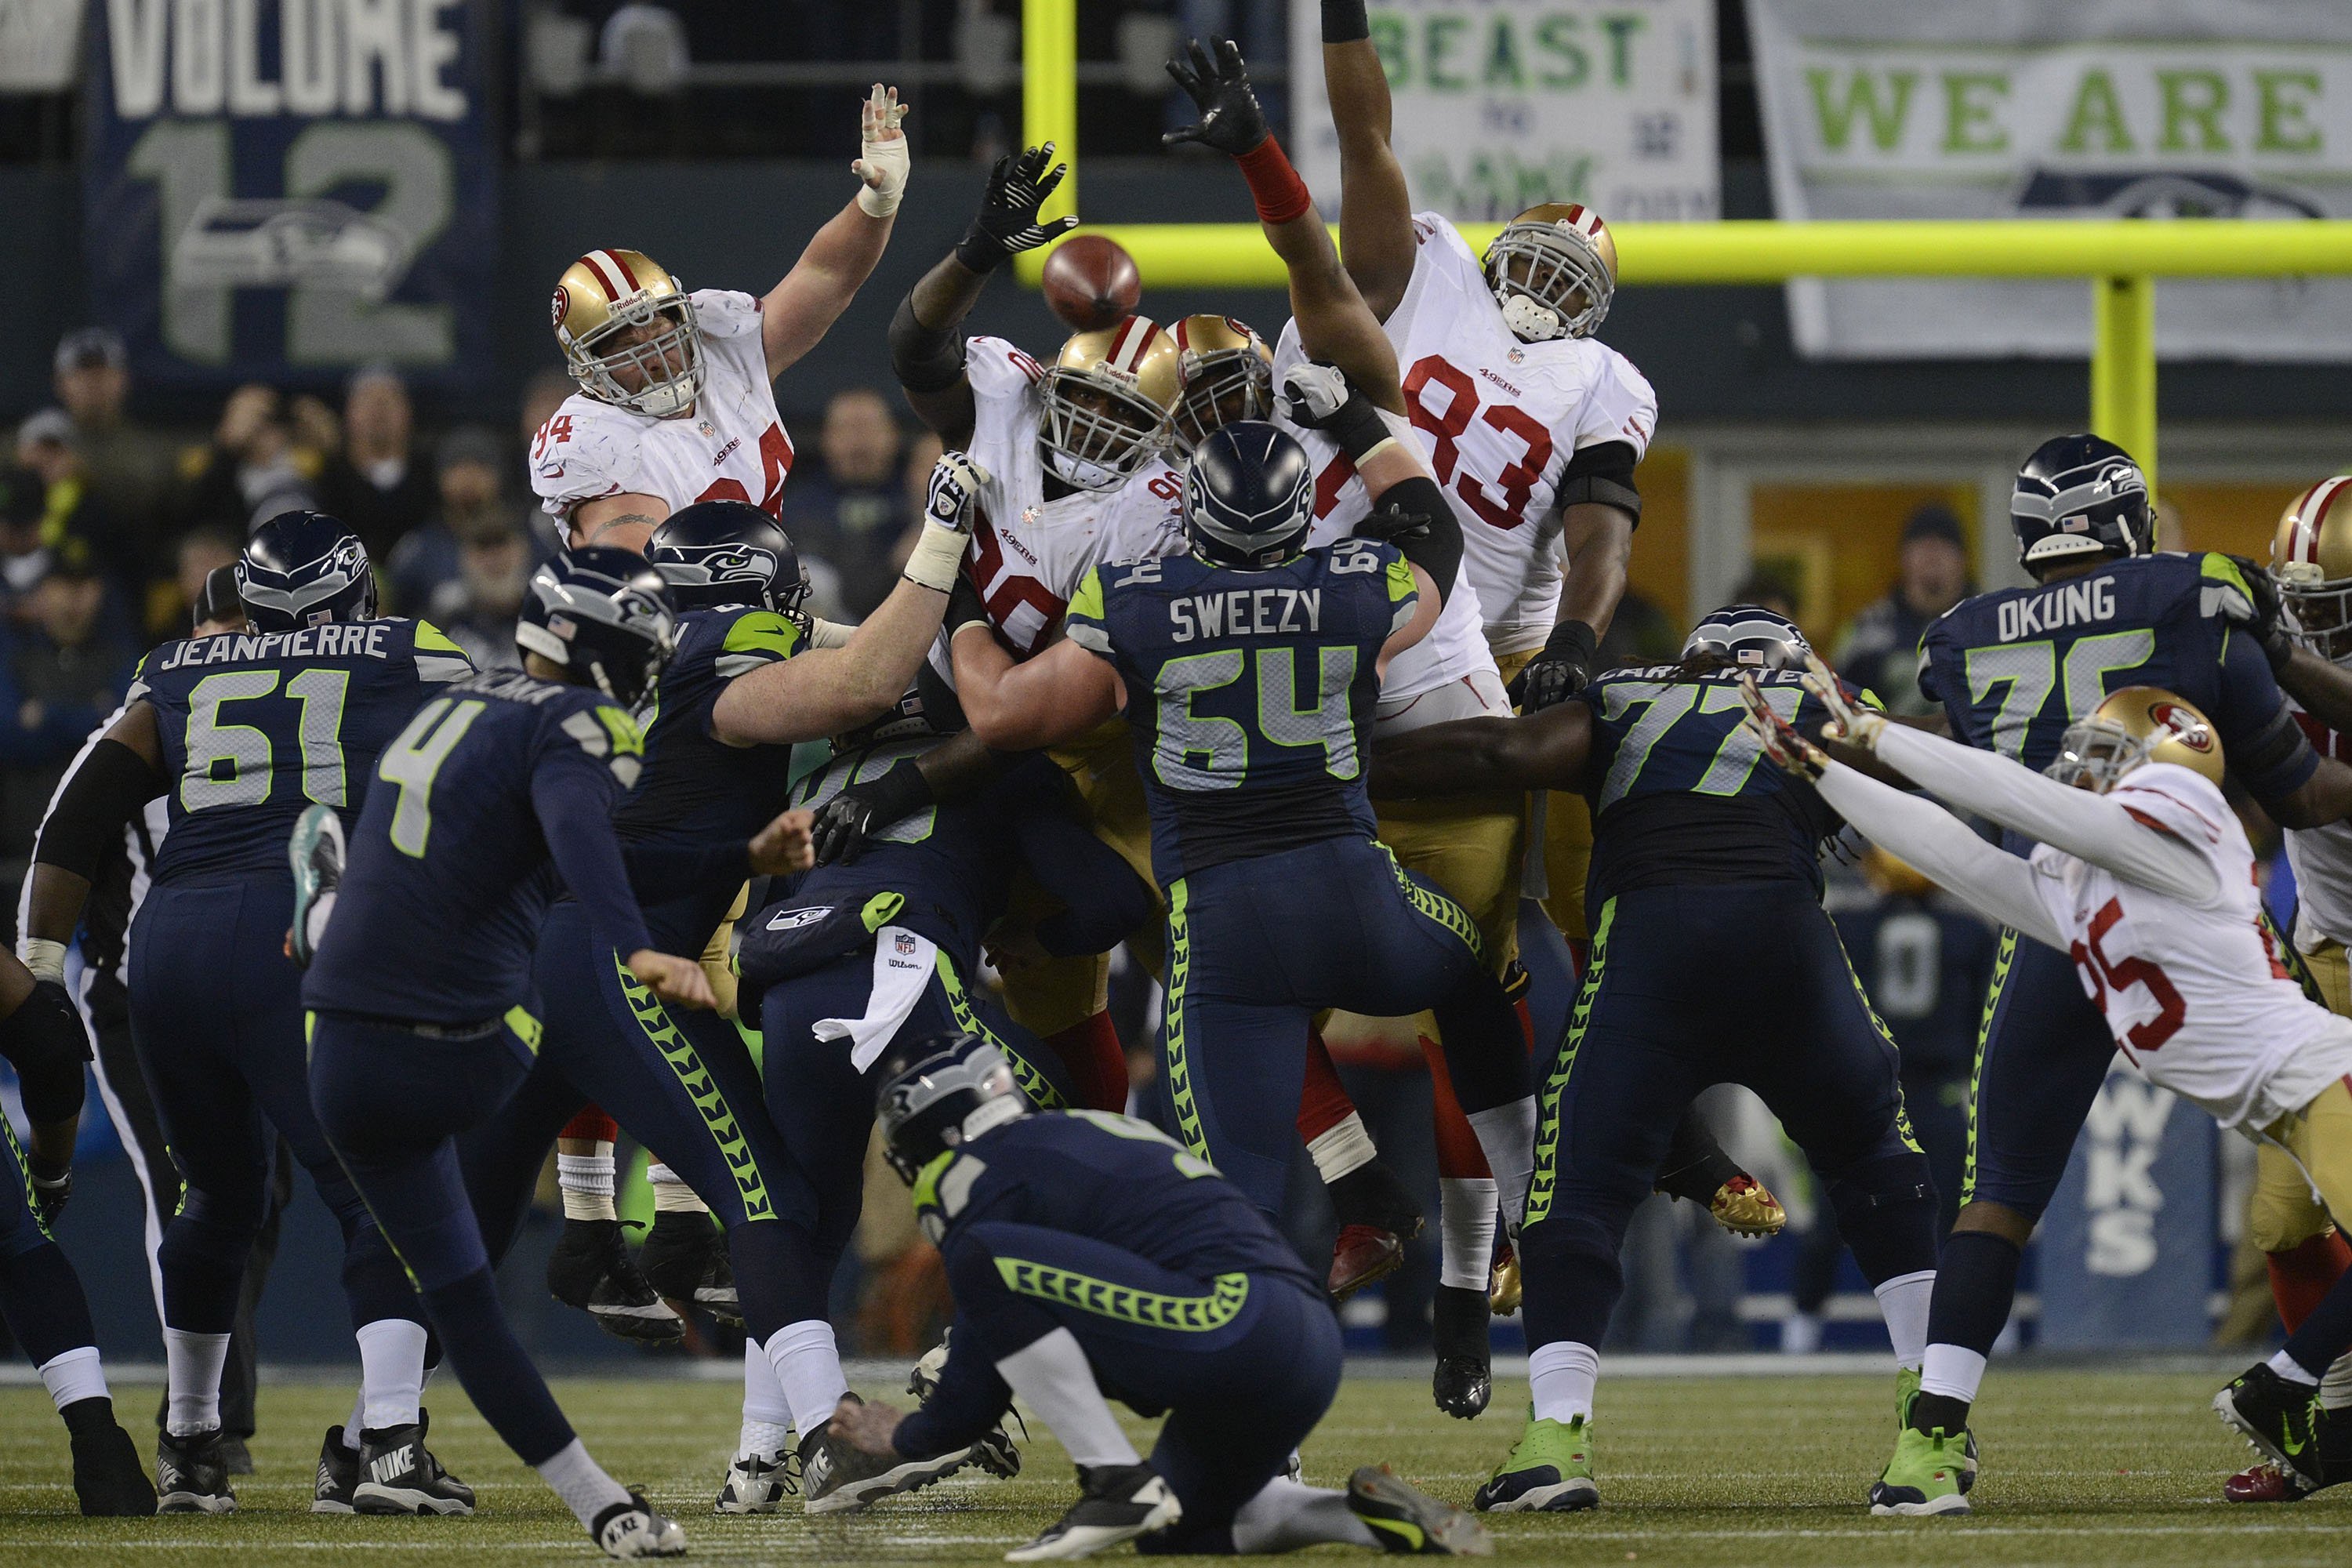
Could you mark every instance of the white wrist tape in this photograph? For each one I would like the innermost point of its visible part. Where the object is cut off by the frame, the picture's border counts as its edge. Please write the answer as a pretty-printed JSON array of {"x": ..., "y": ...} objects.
[{"x": 937, "y": 557}]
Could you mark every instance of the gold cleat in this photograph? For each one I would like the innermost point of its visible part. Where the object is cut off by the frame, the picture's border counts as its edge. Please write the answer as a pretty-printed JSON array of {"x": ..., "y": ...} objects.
[
  {"x": 1503, "y": 1289},
  {"x": 1746, "y": 1206}
]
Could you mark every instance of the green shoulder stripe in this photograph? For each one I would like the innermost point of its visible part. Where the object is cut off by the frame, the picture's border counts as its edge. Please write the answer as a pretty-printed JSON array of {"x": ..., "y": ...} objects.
[
  {"x": 2218, "y": 568},
  {"x": 431, "y": 638},
  {"x": 1401, "y": 583},
  {"x": 1087, "y": 604},
  {"x": 763, "y": 633},
  {"x": 628, "y": 741}
]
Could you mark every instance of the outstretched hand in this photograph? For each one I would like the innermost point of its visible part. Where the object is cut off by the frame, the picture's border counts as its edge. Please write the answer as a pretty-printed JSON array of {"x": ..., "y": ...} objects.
[
  {"x": 1231, "y": 120},
  {"x": 1007, "y": 222},
  {"x": 1784, "y": 747},
  {"x": 785, "y": 845},
  {"x": 882, "y": 163},
  {"x": 1856, "y": 727},
  {"x": 677, "y": 980}
]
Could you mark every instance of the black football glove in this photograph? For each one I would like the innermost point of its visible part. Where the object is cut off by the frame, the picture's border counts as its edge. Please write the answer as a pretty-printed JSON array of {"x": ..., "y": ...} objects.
[
  {"x": 1391, "y": 523},
  {"x": 2267, "y": 623},
  {"x": 847, "y": 823},
  {"x": 1006, "y": 224},
  {"x": 1231, "y": 120},
  {"x": 1563, "y": 669}
]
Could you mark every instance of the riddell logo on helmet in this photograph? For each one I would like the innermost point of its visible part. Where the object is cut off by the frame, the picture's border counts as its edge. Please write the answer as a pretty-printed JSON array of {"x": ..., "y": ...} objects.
[{"x": 2188, "y": 727}]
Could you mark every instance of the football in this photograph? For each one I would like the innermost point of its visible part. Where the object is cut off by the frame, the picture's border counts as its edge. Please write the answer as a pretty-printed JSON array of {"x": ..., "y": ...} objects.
[{"x": 1091, "y": 282}]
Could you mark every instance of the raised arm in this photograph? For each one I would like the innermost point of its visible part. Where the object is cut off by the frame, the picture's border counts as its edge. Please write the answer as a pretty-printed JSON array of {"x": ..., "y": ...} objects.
[
  {"x": 1545, "y": 751},
  {"x": 837, "y": 261},
  {"x": 1987, "y": 878},
  {"x": 1375, "y": 208}
]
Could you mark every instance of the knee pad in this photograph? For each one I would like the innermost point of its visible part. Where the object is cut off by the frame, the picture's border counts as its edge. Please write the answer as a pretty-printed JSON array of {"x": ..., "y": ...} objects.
[{"x": 1886, "y": 1210}]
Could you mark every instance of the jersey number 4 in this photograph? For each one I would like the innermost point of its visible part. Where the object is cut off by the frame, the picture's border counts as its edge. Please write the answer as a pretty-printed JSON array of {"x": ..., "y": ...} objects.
[{"x": 413, "y": 761}]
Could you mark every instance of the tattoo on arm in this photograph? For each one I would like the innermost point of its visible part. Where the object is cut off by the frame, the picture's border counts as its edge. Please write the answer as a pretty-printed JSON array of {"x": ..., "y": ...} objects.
[{"x": 598, "y": 530}]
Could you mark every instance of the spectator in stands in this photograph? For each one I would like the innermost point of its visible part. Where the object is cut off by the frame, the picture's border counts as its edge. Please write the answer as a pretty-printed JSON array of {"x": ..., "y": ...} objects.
[
  {"x": 62, "y": 669},
  {"x": 23, "y": 503},
  {"x": 477, "y": 608},
  {"x": 249, "y": 474},
  {"x": 849, "y": 509},
  {"x": 129, "y": 468},
  {"x": 470, "y": 474},
  {"x": 201, "y": 552},
  {"x": 117, "y": 550},
  {"x": 1879, "y": 649},
  {"x": 374, "y": 483}
]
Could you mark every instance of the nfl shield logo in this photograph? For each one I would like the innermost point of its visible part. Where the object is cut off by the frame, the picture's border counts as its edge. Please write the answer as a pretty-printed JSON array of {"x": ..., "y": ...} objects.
[
  {"x": 1518, "y": 356},
  {"x": 904, "y": 944}
]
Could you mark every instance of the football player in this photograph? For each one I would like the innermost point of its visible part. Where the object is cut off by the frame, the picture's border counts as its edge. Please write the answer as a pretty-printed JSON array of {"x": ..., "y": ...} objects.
[
  {"x": 242, "y": 733},
  {"x": 2013, "y": 669},
  {"x": 1094, "y": 1258},
  {"x": 1696, "y": 852},
  {"x": 2142, "y": 873},
  {"x": 420, "y": 990}
]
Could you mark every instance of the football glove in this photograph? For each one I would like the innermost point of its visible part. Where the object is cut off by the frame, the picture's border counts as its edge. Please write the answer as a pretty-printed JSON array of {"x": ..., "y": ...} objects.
[
  {"x": 1856, "y": 726},
  {"x": 1231, "y": 120},
  {"x": 1783, "y": 746},
  {"x": 1319, "y": 396},
  {"x": 1563, "y": 669},
  {"x": 847, "y": 823},
  {"x": 50, "y": 1191},
  {"x": 2263, "y": 613},
  {"x": 884, "y": 153},
  {"x": 1391, "y": 523},
  {"x": 1006, "y": 224},
  {"x": 949, "y": 509}
]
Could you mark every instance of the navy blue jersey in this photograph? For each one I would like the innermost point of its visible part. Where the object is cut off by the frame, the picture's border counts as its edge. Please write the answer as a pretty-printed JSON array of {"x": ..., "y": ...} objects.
[
  {"x": 259, "y": 726},
  {"x": 1925, "y": 964},
  {"x": 448, "y": 877},
  {"x": 1110, "y": 1178},
  {"x": 1679, "y": 789},
  {"x": 2014, "y": 668},
  {"x": 1248, "y": 693},
  {"x": 946, "y": 872},
  {"x": 697, "y": 791}
]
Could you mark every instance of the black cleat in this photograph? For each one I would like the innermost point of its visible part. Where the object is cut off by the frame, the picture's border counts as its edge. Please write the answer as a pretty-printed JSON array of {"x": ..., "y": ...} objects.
[
  {"x": 190, "y": 1475},
  {"x": 685, "y": 1259},
  {"x": 338, "y": 1475},
  {"x": 590, "y": 1269},
  {"x": 1407, "y": 1519},
  {"x": 398, "y": 1474},
  {"x": 235, "y": 1456},
  {"x": 1465, "y": 1379},
  {"x": 107, "y": 1480},
  {"x": 837, "y": 1476},
  {"x": 1116, "y": 1503},
  {"x": 2279, "y": 1418}
]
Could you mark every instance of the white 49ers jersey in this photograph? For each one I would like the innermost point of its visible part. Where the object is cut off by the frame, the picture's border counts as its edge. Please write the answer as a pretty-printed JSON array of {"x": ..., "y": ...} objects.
[
  {"x": 731, "y": 447},
  {"x": 2194, "y": 994},
  {"x": 1499, "y": 420},
  {"x": 1029, "y": 552},
  {"x": 2321, "y": 858}
]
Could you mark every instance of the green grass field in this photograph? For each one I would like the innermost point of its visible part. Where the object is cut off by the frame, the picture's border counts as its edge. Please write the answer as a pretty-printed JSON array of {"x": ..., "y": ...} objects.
[{"x": 2080, "y": 1467}]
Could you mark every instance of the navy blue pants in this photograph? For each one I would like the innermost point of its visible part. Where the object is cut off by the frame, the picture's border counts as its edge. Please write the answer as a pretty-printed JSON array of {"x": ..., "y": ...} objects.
[
  {"x": 824, "y": 1107},
  {"x": 1256, "y": 949},
  {"x": 2040, "y": 1059},
  {"x": 393, "y": 1102},
  {"x": 683, "y": 1084},
  {"x": 1690, "y": 986},
  {"x": 216, "y": 1014},
  {"x": 40, "y": 1295},
  {"x": 1243, "y": 1383}
]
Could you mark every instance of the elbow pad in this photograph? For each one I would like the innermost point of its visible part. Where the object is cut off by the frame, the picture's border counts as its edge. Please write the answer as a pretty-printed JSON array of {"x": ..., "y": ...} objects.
[
  {"x": 86, "y": 823},
  {"x": 45, "y": 1041},
  {"x": 926, "y": 359},
  {"x": 1437, "y": 548},
  {"x": 2276, "y": 751},
  {"x": 1602, "y": 476}
]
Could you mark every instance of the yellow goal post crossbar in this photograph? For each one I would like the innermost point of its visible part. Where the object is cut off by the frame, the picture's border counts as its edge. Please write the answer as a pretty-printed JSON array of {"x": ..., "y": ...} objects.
[{"x": 2121, "y": 257}]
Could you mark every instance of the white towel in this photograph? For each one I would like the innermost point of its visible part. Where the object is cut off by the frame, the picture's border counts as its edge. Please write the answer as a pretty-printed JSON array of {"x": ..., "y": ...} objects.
[{"x": 903, "y": 964}]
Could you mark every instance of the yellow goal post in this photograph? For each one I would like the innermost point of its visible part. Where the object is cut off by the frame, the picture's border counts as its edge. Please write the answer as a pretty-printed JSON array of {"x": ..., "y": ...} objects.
[{"x": 2121, "y": 259}]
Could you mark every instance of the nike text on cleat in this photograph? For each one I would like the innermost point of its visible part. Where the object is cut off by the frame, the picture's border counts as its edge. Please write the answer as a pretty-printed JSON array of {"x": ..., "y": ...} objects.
[
  {"x": 590, "y": 1270},
  {"x": 757, "y": 1483},
  {"x": 338, "y": 1475},
  {"x": 2277, "y": 1417},
  {"x": 1745, "y": 1206},
  {"x": 189, "y": 1477},
  {"x": 633, "y": 1529},
  {"x": 316, "y": 850},
  {"x": 1925, "y": 1476},
  {"x": 1463, "y": 1381},
  {"x": 1116, "y": 1503},
  {"x": 1403, "y": 1518},
  {"x": 685, "y": 1259},
  {"x": 837, "y": 1476},
  {"x": 398, "y": 1474},
  {"x": 1548, "y": 1470},
  {"x": 107, "y": 1480}
]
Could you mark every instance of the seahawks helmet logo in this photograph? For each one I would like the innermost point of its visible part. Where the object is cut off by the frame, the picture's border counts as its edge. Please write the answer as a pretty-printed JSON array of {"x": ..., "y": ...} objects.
[{"x": 691, "y": 565}]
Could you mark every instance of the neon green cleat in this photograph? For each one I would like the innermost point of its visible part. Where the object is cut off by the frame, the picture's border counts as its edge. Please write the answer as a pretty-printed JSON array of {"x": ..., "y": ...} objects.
[
  {"x": 1907, "y": 1391},
  {"x": 1922, "y": 1478},
  {"x": 1548, "y": 1470}
]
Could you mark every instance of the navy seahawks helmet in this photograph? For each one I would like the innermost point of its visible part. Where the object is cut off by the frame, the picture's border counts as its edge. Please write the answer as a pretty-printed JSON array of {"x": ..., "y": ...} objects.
[
  {"x": 605, "y": 615},
  {"x": 304, "y": 569},
  {"x": 1749, "y": 637},
  {"x": 2078, "y": 496},
  {"x": 721, "y": 553},
  {"x": 1249, "y": 496},
  {"x": 938, "y": 1091}
]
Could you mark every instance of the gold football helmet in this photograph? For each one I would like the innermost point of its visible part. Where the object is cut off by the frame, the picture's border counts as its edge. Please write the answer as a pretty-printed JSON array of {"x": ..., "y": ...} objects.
[
  {"x": 1553, "y": 270},
  {"x": 1228, "y": 375},
  {"x": 628, "y": 333},
  {"x": 2311, "y": 562},
  {"x": 1108, "y": 399},
  {"x": 2137, "y": 724}
]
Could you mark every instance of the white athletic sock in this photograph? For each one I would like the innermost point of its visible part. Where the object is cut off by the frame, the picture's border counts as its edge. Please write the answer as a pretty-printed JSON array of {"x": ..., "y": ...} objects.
[
  {"x": 191, "y": 1367},
  {"x": 392, "y": 1372},
  {"x": 1952, "y": 1372},
  {"x": 1466, "y": 1231},
  {"x": 767, "y": 1417},
  {"x": 808, "y": 1371},
  {"x": 1903, "y": 1302},
  {"x": 1560, "y": 1378},
  {"x": 2335, "y": 1388},
  {"x": 358, "y": 1423},
  {"x": 587, "y": 1180},
  {"x": 582, "y": 1483},
  {"x": 2294, "y": 1371},
  {"x": 1507, "y": 1136},
  {"x": 672, "y": 1195},
  {"x": 1053, "y": 1376},
  {"x": 74, "y": 1375},
  {"x": 1341, "y": 1149},
  {"x": 1290, "y": 1514}
]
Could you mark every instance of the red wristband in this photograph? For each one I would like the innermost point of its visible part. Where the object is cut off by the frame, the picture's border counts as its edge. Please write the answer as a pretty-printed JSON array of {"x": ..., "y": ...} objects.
[{"x": 1273, "y": 184}]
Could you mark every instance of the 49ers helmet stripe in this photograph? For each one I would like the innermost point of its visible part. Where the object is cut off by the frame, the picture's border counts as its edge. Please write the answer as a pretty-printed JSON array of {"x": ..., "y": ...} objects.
[
  {"x": 628, "y": 333},
  {"x": 2311, "y": 563}
]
